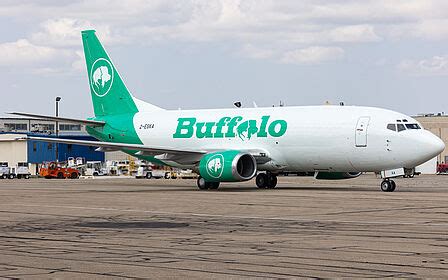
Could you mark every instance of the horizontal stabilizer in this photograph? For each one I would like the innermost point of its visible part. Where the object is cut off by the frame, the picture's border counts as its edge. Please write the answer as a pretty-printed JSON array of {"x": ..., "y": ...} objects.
[{"x": 59, "y": 119}]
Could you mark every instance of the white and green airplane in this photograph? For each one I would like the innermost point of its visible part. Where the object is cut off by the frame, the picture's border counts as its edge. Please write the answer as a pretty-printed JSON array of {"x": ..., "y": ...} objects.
[{"x": 238, "y": 144}]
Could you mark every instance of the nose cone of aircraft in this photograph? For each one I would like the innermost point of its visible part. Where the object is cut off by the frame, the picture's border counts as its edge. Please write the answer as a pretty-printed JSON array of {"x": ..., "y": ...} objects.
[{"x": 433, "y": 145}]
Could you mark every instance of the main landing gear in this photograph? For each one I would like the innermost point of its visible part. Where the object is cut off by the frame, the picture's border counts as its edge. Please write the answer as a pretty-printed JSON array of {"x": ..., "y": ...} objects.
[
  {"x": 266, "y": 180},
  {"x": 204, "y": 185},
  {"x": 388, "y": 185}
]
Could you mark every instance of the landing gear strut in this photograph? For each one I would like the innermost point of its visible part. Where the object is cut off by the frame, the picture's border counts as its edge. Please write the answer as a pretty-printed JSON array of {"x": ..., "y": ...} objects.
[
  {"x": 204, "y": 185},
  {"x": 388, "y": 185},
  {"x": 266, "y": 180}
]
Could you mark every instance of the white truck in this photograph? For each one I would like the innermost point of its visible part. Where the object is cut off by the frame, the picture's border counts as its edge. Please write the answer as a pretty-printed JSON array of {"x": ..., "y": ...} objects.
[
  {"x": 151, "y": 171},
  {"x": 5, "y": 171},
  {"x": 22, "y": 171},
  {"x": 95, "y": 168}
]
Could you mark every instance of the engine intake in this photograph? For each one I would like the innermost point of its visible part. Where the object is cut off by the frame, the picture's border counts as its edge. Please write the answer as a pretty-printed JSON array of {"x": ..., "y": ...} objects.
[{"x": 228, "y": 166}]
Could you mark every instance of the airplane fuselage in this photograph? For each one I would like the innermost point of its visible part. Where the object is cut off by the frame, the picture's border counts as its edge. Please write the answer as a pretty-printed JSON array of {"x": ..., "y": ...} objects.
[{"x": 305, "y": 138}]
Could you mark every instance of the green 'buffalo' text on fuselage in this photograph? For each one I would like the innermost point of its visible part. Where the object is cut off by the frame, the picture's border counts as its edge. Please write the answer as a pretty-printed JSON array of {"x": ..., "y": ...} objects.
[{"x": 230, "y": 127}]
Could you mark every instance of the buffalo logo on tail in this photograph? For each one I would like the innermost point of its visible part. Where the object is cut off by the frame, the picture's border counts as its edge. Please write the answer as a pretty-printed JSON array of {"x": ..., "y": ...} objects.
[{"x": 101, "y": 77}]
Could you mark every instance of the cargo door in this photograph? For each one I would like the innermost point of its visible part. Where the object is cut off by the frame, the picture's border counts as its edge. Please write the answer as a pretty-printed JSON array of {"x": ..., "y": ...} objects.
[{"x": 361, "y": 132}]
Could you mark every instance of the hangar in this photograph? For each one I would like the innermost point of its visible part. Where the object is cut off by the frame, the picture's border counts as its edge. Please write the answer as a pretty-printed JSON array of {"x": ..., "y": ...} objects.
[
  {"x": 437, "y": 124},
  {"x": 35, "y": 152}
]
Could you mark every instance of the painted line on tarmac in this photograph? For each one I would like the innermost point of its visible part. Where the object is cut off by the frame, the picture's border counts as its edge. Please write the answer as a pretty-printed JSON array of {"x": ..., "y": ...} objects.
[{"x": 220, "y": 215}]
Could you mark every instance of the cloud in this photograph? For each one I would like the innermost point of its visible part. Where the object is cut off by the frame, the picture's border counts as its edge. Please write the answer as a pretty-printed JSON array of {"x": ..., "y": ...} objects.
[
  {"x": 312, "y": 55},
  {"x": 435, "y": 66},
  {"x": 251, "y": 51},
  {"x": 66, "y": 32},
  {"x": 23, "y": 52}
]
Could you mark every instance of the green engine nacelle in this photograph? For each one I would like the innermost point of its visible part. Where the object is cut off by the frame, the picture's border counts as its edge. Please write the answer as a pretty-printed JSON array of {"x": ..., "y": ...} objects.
[
  {"x": 228, "y": 166},
  {"x": 322, "y": 175}
]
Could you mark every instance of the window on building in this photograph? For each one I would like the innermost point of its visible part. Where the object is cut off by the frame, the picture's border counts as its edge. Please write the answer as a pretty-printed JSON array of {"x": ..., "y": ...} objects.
[
  {"x": 69, "y": 148},
  {"x": 16, "y": 126},
  {"x": 70, "y": 127},
  {"x": 50, "y": 146},
  {"x": 34, "y": 147}
]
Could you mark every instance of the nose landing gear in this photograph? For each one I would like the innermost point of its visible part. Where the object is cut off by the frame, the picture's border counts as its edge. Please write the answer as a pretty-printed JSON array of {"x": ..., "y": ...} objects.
[{"x": 388, "y": 185}]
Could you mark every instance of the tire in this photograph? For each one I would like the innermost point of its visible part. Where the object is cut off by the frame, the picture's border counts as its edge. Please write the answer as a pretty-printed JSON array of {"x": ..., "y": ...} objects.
[
  {"x": 392, "y": 186},
  {"x": 60, "y": 175},
  {"x": 261, "y": 180},
  {"x": 272, "y": 181},
  {"x": 74, "y": 175},
  {"x": 167, "y": 175},
  {"x": 202, "y": 184},
  {"x": 4, "y": 176},
  {"x": 385, "y": 186},
  {"x": 95, "y": 173},
  {"x": 27, "y": 176},
  {"x": 11, "y": 176},
  {"x": 19, "y": 176},
  {"x": 148, "y": 175},
  {"x": 213, "y": 185}
]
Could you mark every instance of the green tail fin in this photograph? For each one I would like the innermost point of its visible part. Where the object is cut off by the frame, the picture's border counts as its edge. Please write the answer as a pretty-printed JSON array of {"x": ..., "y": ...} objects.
[{"x": 109, "y": 93}]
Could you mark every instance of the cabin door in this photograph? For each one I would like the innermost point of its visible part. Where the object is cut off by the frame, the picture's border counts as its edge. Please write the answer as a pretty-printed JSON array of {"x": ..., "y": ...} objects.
[{"x": 361, "y": 132}]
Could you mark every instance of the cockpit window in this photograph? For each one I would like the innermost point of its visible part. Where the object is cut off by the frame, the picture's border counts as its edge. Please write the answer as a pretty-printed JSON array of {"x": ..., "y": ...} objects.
[
  {"x": 412, "y": 126},
  {"x": 392, "y": 127},
  {"x": 400, "y": 127}
]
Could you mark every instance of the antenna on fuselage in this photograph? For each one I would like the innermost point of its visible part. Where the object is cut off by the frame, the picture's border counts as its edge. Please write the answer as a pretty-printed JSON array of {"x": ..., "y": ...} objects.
[{"x": 237, "y": 104}]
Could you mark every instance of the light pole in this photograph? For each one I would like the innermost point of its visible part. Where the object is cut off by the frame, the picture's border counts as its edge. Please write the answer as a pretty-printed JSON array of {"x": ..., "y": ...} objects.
[{"x": 58, "y": 98}]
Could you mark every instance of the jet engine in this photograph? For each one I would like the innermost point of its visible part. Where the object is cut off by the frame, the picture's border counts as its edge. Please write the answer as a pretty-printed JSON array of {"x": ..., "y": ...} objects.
[{"x": 227, "y": 166}]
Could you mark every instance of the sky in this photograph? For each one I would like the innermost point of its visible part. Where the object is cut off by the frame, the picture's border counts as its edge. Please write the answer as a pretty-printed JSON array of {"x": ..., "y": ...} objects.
[{"x": 194, "y": 54}]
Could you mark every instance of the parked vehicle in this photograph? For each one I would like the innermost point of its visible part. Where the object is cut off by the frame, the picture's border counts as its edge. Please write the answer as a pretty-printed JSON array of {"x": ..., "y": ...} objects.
[
  {"x": 95, "y": 168},
  {"x": 186, "y": 174},
  {"x": 442, "y": 168},
  {"x": 22, "y": 171},
  {"x": 5, "y": 171},
  {"x": 58, "y": 170},
  {"x": 148, "y": 171}
]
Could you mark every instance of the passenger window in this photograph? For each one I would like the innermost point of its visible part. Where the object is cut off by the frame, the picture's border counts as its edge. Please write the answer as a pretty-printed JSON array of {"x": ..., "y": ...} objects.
[
  {"x": 400, "y": 127},
  {"x": 392, "y": 127},
  {"x": 412, "y": 126}
]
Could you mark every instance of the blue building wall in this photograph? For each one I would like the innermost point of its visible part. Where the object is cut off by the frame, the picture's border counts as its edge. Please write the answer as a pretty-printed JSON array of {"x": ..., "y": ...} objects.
[{"x": 39, "y": 151}]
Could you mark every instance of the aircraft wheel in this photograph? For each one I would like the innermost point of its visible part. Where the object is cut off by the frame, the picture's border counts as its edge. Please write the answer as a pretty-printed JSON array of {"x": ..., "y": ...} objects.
[
  {"x": 261, "y": 180},
  {"x": 202, "y": 184},
  {"x": 272, "y": 181},
  {"x": 213, "y": 185},
  {"x": 388, "y": 186},
  {"x": 385, "y": 185},
  {"x": 392, "y": 185}
]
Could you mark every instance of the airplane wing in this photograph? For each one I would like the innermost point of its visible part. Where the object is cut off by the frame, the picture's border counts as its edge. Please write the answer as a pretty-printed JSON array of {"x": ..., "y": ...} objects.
[
  {"x": 53, "y": 118},
  {"x": 183, "y": 156},
  {"x": 107, "y": 146}
]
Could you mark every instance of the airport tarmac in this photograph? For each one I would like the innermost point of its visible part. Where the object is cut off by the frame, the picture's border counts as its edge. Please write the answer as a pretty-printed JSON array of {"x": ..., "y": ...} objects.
[{"x": 102, "y": 228}]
